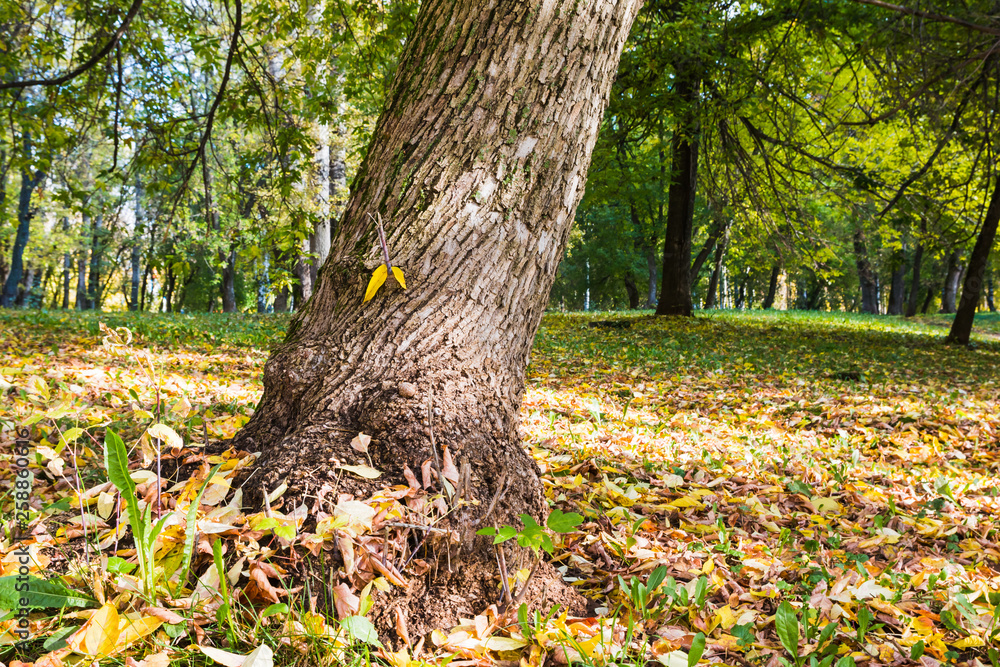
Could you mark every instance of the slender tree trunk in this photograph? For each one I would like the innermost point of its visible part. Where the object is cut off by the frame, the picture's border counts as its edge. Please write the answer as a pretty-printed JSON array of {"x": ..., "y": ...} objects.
[
  {"x": 990, "y": 303},
  {"x": 675, "y": 294},
  {"x": 949, "y": 293},
  {"x": 897, "y": 287},
  {"x": 772, "y": 287},
  {"x": 633, "y": 292},
  {"x": 67, "y": 267},
  {"x": 651, "y": 277},
  {"x": 713, "y": 281},
  {"x": 81, "y": 277},
  {"x": 263, "y": 283},
  {"x": 136, "y": 257},
  {"x": 914, "y": 295},
  {"x": 866, "y": 276},
  {"x": 29, "y": 181},
  {"x": 94, "y": 295},
  {"x": 961, "y": 327},
  {"x": 477, "y": 165},
  {"x": 927, "y": 301}
]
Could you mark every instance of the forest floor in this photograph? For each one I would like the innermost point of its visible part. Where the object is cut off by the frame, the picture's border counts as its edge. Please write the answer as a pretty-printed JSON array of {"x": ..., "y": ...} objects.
[{"x": 764, "y": 488}]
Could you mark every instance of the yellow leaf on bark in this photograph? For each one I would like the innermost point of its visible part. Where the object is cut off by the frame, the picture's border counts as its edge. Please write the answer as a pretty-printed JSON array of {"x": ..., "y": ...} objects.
[
  {"x": 378, "y": 278},
  {"x": 398, "y": 274}
]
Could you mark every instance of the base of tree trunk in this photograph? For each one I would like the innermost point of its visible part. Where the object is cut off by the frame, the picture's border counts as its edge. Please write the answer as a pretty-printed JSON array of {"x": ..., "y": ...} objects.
[{"x": 500, "y": 473}]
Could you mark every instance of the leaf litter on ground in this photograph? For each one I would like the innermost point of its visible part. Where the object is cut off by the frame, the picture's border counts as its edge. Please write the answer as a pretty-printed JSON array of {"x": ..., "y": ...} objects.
[{"x": 757, "y": 488}]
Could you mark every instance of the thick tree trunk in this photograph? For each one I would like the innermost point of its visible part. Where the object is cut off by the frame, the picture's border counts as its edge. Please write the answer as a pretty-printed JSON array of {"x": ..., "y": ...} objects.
[
  {"x": 949, "y": 293},
  {"x": 866, "y": 276},
  {"x": 914, "y": 295},
  {"x": 476, "y": 167},
  {"x": 772, "y": 288},
  {"x": 29, "y": 181},
  {"x": 961, "y": 327},
  {"x": 675, "y": 293}
]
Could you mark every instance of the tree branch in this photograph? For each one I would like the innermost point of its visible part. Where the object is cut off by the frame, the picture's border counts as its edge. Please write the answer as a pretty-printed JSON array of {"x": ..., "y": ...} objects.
[
  {"x": 93, "y": 60},
  {"x": 934, "y": 16}
]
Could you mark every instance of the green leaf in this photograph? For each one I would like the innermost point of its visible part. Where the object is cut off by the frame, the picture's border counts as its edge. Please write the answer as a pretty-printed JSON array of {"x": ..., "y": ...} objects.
[
  {"x": 786, "y": 621},
  {"x": 846, "y": 661},
  {"x": 190, "y": 528},
  {"x": 505, "y": 533},
  {"x": 697, "y": 648},
  {"x": 57, "y": 639},
  {"x": 274, "y": 609},
  {"x": 39, "y": 594},
  {"x": 361, "y": 629},
  {"x": 917, "y": 650},
  {"x": 486, "y": 531},
  {"x": 560, "y": 522}
]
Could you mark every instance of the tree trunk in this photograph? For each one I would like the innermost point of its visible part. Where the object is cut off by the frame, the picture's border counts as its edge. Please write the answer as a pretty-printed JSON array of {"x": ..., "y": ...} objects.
[
  {"x": 927, "y": 301},
  {"x": 633, "y": 292},
  {"x": 81, "y": 278},
  {"x": 897, "y": 287},
  {"x": 772, "y": 287},
  {"x": 29, "y": 181},
  {"x": 713, "y": 281},
  {"x": 96, "y": 251},
  {"x": 949, "y": 293},
  {"x": 67, "y": 267},
  {"x": 866, "y": 276},
  {"x": 990, "y": 303},
  {"x": 675, "y": 294},
  {"x": 227, "y": 259},
  {"x": 476, "y": 166},
  {"x": 914, "y": 296},
  {"x": 136, "y": 256},
  {"x": 961, "y": 327}
]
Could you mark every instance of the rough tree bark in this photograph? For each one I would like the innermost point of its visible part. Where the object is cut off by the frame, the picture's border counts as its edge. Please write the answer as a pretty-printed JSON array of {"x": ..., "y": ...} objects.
[
  {"x": 961, "y": 327},
  {"x": 476, "y": 166},
  {"x": 675, "y": 293}
]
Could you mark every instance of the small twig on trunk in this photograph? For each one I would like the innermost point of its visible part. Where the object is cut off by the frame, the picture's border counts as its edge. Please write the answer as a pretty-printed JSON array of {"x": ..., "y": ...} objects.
[
  {"x": 502, "y": 566},
  {"x": 524, "y": 586},
  {"x": 501, "y": 490},
  {"x": 432, "y": 529},
  {"x": 267, "y": 503},
  {"x": 434, "y": 450}
]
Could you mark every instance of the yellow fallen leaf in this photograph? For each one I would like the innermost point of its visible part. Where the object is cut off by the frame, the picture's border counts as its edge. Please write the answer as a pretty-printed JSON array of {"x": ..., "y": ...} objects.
[
  {"x": 98, "y": 636},
  {"x": 968, "y": 642},
  {"x": 131, "y": 630}
]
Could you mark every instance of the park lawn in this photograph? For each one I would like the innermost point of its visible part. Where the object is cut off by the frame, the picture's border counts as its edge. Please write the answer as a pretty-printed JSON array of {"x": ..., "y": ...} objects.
[{"x": 795, "y": 486}]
